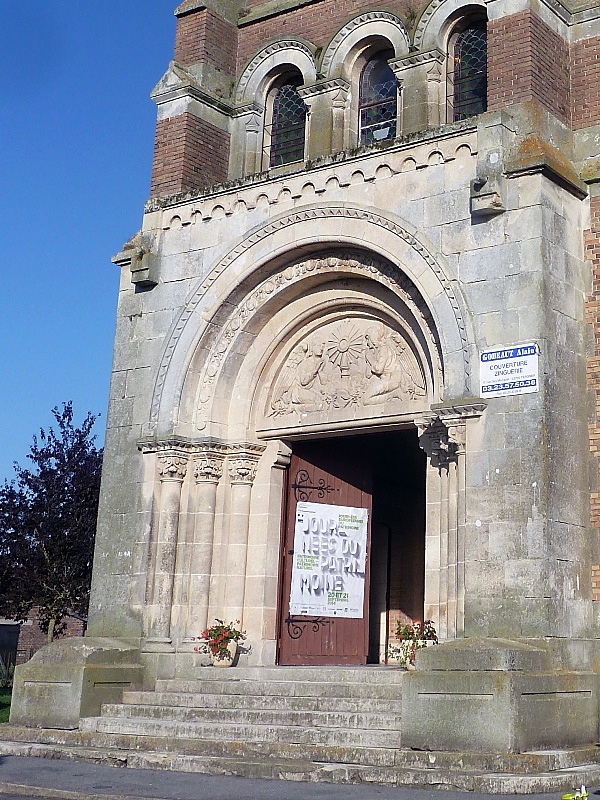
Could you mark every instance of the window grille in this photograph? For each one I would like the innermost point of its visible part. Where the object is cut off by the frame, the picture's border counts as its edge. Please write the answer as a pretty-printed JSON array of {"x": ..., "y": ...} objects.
[
  {"x": 468, "y": 79},
  {"x": 377, "y": 100},
  {"x": 288, "y": 122}
]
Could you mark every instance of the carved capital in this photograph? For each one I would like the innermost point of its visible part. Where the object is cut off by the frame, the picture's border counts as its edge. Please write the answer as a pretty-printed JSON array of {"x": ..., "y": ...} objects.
[
  {"x": 172, "y": 466},
  {"x": 435, "y": 440},
  {"x": 242, "y": 470},
  {"x": 337, "y": 90},
  {"x": 243, "y": 461},
  {"x": 208, "y": 465}
]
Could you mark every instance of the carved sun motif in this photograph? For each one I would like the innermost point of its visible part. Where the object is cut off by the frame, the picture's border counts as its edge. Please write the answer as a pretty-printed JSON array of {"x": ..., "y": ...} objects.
[{"x": 345, "y": 346}]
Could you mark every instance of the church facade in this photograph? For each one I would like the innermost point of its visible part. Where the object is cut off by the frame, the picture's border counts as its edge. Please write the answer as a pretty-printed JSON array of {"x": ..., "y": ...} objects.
[{"x": 366, "y": 281}]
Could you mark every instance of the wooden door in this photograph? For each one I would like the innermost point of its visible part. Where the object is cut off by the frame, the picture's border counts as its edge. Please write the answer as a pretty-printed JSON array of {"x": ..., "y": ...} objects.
[{"x": 333, "y": 472}]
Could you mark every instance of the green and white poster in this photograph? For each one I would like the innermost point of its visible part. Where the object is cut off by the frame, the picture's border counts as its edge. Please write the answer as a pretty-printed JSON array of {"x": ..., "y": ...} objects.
[{"x": 328, "y": 573}]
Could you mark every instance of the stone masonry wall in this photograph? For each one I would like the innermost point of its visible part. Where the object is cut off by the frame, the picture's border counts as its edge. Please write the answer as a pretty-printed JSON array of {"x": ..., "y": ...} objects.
[
  {"x": 527, "y": 61},
  {"x": 585, "y": 82},
  {"x": 188, "y": 153}
]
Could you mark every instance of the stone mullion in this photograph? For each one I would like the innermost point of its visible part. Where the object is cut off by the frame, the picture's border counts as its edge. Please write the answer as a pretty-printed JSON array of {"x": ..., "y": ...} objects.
[
  {"x": 172, "y": 469},
  {"x": 208, "y": 470}
]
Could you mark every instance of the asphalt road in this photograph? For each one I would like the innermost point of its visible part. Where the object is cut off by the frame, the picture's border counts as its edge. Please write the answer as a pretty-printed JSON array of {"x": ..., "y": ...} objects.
[{"x": 75, "y": 780}]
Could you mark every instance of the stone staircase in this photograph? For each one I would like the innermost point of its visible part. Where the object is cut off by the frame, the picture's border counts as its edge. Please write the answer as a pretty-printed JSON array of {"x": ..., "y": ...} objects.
[
  {"x": 350, "y": 708},
  {"x": 337, "y": 724}
]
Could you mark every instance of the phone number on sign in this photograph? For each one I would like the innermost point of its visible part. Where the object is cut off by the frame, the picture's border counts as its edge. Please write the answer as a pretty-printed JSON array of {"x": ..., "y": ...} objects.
[{"x": 502, "y": 387}]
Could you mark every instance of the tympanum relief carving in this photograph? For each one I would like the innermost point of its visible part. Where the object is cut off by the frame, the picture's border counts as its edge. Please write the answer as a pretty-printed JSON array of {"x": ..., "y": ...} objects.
[{"x": 348, "y": 369}]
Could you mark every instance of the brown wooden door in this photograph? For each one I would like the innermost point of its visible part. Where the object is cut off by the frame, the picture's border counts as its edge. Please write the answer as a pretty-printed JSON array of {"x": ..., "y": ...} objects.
[{"x": 331, "y": 472}]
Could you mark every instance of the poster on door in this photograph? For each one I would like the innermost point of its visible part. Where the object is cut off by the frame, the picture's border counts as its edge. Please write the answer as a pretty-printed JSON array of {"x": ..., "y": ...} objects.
[{"x": 328, "y": 570}]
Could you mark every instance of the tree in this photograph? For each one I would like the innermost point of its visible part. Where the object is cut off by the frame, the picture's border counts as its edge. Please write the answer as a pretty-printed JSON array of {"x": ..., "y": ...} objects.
[{"x": 48, "y": 523}]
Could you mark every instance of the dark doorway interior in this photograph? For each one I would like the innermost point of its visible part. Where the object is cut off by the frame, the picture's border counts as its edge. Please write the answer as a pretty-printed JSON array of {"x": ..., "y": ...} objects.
[{"x": 397, "y": 590}]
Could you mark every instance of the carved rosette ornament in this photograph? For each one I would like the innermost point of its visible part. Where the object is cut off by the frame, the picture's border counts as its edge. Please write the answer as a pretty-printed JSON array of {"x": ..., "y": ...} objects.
[{"x": 172, "y": 466}]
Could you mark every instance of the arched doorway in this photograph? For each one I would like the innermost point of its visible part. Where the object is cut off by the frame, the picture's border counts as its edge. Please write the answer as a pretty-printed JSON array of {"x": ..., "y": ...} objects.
[{"x": 324, "y": 568}]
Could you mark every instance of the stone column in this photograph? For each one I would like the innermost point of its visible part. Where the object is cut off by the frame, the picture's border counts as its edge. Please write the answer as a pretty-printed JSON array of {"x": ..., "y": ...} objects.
[
  {"x": 242, "y": 465},
  {"x": 443, "y": 436},
  {"x": 172, "y": 468},
  {"x": 457, "y": 436},
  {"x": 326, "y": 102},
  {"x": 208, "y": 470},
  {"x": 420, "y": 76}
]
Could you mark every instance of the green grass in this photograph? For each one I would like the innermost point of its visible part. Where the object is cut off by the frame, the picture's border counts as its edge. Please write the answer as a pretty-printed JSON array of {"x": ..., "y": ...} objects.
[{"x": 5, "y": 695}]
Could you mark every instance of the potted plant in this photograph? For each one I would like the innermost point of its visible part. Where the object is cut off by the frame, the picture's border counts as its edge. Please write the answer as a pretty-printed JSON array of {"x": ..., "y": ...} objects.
[
  {"x": 220, "y": 641},
  {"x": 411, "y": 638}
]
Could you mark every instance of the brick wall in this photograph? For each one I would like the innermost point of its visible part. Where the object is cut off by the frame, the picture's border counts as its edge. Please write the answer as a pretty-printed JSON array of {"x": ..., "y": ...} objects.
[
  {"x": 189, "y": 154},
  {"x": 595, "y": 581},
  {"x": 528, "y": 61},
  {"x": 32, "y": 639},
  {"x": 316, "y": 22},
  {"x": 592, "y": 244},
  {"x": 203, "y": 36},
  {"x": 585, "y": 82}
]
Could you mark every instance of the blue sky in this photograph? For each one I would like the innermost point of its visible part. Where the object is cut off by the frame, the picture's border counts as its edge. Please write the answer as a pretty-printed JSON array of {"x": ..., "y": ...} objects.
[{"x": 76, "y": 133}]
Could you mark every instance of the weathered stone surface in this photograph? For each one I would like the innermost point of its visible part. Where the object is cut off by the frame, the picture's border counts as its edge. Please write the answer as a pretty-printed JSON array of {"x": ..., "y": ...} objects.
[{"x": 70, "y": 679}]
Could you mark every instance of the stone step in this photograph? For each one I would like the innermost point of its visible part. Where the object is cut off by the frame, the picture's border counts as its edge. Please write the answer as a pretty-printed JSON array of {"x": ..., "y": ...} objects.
[
  {"x": 376, "y": 674},
  {"x": 240, "y": 716},
  {"x": 117, "y": 747},
  {"x": 386, "y": 691},
  {"x": 417, "y": 775},
  {"x": 256, "y": 701},
  {"x": 333, "y": 737}
]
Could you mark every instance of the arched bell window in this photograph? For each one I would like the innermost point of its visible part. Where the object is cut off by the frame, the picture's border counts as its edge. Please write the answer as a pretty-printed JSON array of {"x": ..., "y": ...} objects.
[
  {"x": 378, "y": 96},
  {"x": 467, "y": 75},
  {"x": 285, "y": 133}
]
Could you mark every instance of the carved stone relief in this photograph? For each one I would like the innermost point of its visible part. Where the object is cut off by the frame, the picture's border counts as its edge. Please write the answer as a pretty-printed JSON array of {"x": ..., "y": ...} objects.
[{"x": 346, "y": 367}]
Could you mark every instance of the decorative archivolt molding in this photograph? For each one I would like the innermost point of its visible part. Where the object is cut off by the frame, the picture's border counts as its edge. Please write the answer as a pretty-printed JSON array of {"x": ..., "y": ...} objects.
[
  {"x": 330, "y": 212},
  {"x": 357, "y": 22},
  {"x": 431, "y": 9},
  {"x": 335, "y": 261},
  {"x": 275, "y": 48}
]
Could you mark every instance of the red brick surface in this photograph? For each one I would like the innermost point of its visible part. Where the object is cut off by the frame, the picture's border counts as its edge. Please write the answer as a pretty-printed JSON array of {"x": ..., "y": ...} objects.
[
  {"x": 189, "y": 153},
  {"x": 528, "y": 61},
  {"x": 205, "y": 37},
  {"x": 32, "y": 639},
  {"x": 317, "y": 23},
  {"x": 596, "y": 582},
  {"x": 585, "y": 82}
]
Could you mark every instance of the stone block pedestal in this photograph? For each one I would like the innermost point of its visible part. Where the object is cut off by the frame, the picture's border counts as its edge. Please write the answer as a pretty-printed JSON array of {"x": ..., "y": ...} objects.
[{"x": 494, "y": 695}]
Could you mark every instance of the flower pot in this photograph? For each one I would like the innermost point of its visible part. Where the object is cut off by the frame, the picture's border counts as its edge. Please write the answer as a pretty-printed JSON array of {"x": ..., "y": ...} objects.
[{"x": 226, "y": 659}]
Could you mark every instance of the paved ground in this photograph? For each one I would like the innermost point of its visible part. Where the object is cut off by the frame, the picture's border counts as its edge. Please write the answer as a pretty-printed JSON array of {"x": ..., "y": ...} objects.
[{"x": 75, "y": 780}]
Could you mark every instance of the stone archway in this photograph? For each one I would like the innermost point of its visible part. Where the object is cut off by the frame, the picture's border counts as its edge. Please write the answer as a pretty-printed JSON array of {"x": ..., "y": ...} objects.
[{"x": 325, "y": 341}]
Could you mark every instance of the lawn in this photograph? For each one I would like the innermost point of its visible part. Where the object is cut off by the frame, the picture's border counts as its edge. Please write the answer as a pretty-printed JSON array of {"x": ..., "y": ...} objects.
[{"x": 4, "y": 704}]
